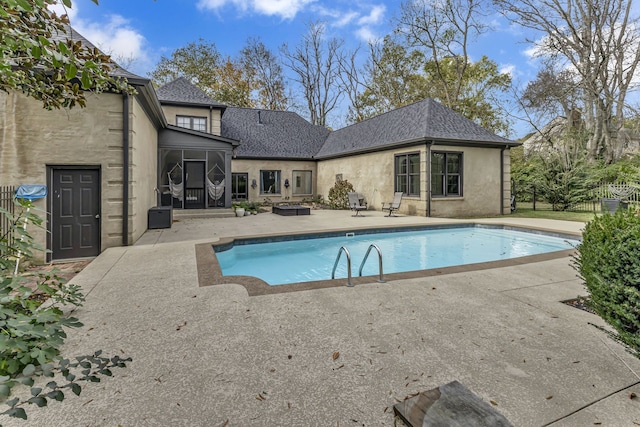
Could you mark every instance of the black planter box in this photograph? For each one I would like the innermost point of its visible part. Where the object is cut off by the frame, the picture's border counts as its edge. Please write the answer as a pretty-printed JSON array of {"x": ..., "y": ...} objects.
[{"x": 160, "y": 217}]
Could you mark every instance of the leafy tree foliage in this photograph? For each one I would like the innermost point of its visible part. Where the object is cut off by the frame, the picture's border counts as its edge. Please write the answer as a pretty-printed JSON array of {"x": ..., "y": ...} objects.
[
  {"x": 600, "y": 40},
  {"x": 201, "y": 63},
  {"x": 54, "y": 71},
  {"x": 265, "y": 75},
  {"x": 400, "y": 75},
  {"x": 394, "y": 78}
]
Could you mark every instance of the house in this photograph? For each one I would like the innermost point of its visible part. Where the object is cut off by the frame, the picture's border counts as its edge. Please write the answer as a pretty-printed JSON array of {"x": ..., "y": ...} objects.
[{"x": 183, "y": 149}]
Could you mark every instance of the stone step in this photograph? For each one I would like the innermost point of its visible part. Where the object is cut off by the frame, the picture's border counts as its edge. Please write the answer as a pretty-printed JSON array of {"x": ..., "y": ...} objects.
[{"x": 203, "y": 213}]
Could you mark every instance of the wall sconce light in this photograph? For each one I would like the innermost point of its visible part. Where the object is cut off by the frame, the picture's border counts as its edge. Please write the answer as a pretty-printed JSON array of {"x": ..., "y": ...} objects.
[
  {"x": 254, "y": 184},
  {"x": 286, "y": 183}
]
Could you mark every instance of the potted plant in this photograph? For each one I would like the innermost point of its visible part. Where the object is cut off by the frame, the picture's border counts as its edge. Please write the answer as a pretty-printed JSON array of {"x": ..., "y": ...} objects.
[{"x": 239, "y": 208}]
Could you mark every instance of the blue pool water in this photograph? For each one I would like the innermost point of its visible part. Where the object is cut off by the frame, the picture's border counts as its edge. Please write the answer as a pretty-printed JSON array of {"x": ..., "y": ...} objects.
[{"x": 306, "y": 260}]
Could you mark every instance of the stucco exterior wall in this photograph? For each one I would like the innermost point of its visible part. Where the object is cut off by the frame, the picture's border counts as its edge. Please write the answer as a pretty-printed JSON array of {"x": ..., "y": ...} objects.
[
  {"x": 32, "y": 138},
  {"x": 372, "y": 175},
  {"x": 286, "y": 168},
  {"x": 212, "y": 115},
  {"x": 143, "y": 169},
  {"x": 481, "y": 179}
]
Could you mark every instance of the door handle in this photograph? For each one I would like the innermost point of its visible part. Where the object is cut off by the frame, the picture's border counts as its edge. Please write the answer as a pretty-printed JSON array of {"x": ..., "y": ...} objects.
[{"x": 98, "y": 216}]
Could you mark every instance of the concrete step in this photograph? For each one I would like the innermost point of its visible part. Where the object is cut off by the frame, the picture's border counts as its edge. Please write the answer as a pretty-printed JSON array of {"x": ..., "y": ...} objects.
[{"x": 203, "y": 213}]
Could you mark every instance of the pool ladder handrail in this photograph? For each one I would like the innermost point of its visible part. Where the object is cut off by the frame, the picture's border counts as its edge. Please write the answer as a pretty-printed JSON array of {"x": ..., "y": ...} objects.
[
  {"x": 346, "y": 251},
  {"x": 335, "y": 265},
  {"x": 380, "y": 274}
]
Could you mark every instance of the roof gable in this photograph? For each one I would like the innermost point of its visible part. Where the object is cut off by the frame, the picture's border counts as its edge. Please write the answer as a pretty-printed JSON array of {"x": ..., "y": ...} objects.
[
  {"x": 272, "y": 134},
  {"x": 182, "y": 91},
  {"x": 426, "y": 120}
]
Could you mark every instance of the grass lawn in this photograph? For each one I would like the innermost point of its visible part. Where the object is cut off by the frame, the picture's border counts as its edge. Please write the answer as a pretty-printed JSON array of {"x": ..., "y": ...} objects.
[{"x": 528, "y": 212}]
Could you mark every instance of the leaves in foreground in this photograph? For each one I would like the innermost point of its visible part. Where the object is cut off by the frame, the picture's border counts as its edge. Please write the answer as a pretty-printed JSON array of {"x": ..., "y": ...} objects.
[{"x": 72, "y": 373}]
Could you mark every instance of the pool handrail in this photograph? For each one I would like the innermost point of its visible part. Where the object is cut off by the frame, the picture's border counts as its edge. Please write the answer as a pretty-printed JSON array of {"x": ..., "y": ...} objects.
[
  {"x": 377, "y": 248},
  {"x": 335, "y": 265}
]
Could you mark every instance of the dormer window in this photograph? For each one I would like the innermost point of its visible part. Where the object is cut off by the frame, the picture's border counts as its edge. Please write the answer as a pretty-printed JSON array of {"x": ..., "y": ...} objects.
[{"x": 189, "y": 122}]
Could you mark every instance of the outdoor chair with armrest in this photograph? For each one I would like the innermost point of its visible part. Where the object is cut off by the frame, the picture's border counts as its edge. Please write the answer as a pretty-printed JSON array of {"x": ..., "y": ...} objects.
[
  {"x": 395, "y": 205},
  {"x": 355, "y": 204}
]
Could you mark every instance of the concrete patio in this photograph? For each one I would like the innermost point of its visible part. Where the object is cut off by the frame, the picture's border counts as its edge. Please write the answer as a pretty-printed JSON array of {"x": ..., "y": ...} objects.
[{"x": 213, "y": 356}]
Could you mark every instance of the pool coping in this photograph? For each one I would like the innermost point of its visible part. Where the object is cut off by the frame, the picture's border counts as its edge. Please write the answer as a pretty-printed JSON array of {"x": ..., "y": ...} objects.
[{"x": 210, "y": 273}]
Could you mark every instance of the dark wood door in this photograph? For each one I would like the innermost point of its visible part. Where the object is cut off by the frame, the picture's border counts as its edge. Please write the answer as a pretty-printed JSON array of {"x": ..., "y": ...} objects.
[
  {"x": 75, "y": 213},
  {"x": 194, "y": 188}
]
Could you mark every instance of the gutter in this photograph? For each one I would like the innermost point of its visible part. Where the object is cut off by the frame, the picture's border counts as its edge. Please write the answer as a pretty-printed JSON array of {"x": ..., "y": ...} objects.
[
  {"x": 125, "y": 169},
  {"x": 502, "y": 179},
  {"x": 429, "y": 144}
]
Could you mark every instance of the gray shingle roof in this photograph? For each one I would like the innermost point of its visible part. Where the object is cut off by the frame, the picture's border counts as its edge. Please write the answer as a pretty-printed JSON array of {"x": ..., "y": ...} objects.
[
  {"x": 272, "y": 134},
  {"x": 422, "y": 121},
  {"x": 182, "y": 91}
]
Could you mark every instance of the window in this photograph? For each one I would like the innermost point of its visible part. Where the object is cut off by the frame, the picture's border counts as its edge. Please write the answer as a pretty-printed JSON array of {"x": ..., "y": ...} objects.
[
  {"x": 239, "y": 183},
  {"x": 407, "y": 172},
  {"x": 446, "y": 174},
  {"x": 269, "y": 182},
  {"x": 195, "y": 123},
  {"x": 302, "y": 183}
]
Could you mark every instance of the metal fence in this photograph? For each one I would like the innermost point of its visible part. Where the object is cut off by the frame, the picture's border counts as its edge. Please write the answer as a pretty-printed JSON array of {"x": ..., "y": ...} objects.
[
  {"x": 627, "y": 191},
  {"x": 7, "y": 194}
]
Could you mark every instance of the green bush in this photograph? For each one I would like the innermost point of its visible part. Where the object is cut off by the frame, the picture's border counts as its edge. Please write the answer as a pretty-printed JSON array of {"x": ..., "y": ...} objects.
[
  {"x": 608, "y": 260},
  {"x": 338, "y": 198},
  {"x": 31, "y": 332}
]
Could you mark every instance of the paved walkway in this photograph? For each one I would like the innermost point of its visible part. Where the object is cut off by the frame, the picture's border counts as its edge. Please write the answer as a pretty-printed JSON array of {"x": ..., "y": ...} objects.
[{"x": 213, "y": 356}]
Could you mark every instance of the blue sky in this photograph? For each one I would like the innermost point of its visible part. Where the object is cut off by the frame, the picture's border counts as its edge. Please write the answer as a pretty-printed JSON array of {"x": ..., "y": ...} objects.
[{"x": 145, "y": 30}]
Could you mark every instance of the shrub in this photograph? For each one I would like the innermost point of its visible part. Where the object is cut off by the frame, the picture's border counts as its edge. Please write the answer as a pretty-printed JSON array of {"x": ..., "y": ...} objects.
[
  {"x": 608, "y": 260},
  {"x": 338, "y": 198},
  {"x": 32, "y": 332}
]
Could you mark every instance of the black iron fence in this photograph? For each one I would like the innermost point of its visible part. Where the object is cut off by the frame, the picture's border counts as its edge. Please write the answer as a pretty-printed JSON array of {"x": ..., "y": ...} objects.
[
  {"x": 529, "y": 196},
  {"x": 7, "y": 195}
]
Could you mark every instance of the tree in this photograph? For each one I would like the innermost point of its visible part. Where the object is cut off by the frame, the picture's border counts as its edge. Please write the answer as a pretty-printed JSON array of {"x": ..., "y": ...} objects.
[
  {"x": 442, "y": 31},
  {"x": 600, "y": 40},
  {"x": 554, "y": 92},
  {"x": 480, "y": 86},
  {"x": 40, "y": 58},
  {"x": 316, "y": 65},
  {"x": 399, "y": 75},
  {"x": 393, "y": 78},
  {"x": 265, "y": 75},
  {"x": 201, "y": 63}
]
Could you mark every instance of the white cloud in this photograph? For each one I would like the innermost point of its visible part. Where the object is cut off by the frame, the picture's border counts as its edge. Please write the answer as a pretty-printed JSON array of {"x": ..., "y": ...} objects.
[
  {"x": 508, "y": 69},
  {"x": 286, "y": 9},
  {"x": 374, "y": 17},
  {"x": 117, "y": 38},
  {"x": 366, "y": 34},
  {"x": 345, "y": 19}
]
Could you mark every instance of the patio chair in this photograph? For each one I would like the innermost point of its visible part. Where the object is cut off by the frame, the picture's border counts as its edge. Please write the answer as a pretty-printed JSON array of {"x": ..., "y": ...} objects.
[
  {"x": 356, "y": 203},
  {"x": 395, "y": 205}
]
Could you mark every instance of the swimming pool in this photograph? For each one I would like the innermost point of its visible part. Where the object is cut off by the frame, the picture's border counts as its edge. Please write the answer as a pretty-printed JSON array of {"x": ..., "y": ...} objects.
[{"x": 292, "y": 259}]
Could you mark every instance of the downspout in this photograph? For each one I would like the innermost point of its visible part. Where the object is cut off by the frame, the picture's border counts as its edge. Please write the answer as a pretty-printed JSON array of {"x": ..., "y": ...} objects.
[
  {"x": 429, "y": 143},
  {"x": 502, "y": 179},
  {"x": 210, "y": 119},
  {"x": 125, "y": 169}
]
